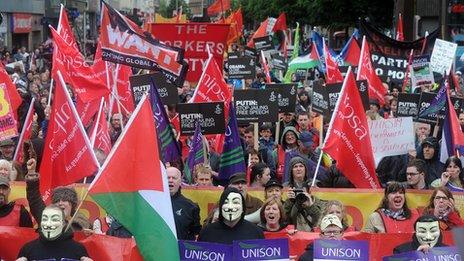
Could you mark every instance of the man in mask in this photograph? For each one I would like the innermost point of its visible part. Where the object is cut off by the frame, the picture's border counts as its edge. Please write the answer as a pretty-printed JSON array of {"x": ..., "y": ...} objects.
[
  {"x": 11, "y": 214},
  {"x": 427, "y": 235},
  {"x": 231, "y": 224},
  {"x": 54, "y": 242}
]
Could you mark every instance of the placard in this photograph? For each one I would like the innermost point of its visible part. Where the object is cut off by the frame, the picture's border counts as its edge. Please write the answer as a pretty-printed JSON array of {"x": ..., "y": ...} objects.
[
  {"x": 233, "y": 55},
  {"x": 333, "y": 92},
  {"x": 241, "y": 68},
  {"x": 250, "y": 52},
  {"x": 263, "y": 43},
  {"x": 140, "y": 84},
  {"x": 434, "y": 253},
  {"x": 278, "y": 62},
  {"x": 256, "y": 106},
  {"x": 209, "y": 114},
  {"x": 390, "y": 137},
  {"x": 408, "y": 105},
  {"x": 442, "y": 56},
  {"x": 319, "y": 99},
  {"x": 341, "y": 250},
  {"x": 8, "y": 125},
  {"x": 261, "y": 249},
  {"x": 286, "y": 96},
  {"x": 421, "y": 74},
  {"x": 424, "y": 102},
  {"x": 199, "y": 251}
]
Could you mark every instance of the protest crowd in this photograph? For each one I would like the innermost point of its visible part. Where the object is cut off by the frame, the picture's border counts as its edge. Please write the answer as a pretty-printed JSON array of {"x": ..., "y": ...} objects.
[{"x": 135, "y": 154}]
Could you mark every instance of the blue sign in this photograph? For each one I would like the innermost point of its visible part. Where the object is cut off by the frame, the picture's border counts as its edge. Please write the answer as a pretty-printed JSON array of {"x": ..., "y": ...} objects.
[
  {"x": 191, "y": 250},
  {"x": 341, "y": 250},
  {"x": 261, "y": 249}
]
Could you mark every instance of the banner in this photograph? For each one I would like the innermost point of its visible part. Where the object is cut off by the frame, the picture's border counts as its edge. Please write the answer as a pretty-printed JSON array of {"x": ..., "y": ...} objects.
[
  {"x": 256, "y": 106},
  {"x": 286, "y": 96},
  {"x": 250, "y": 52},
  {"x": 443, "y": 56},
  {"x": 199, "y": 251},
  {"x": 140, "y": 84},
  {"x": 241, "y": 68},
  {"x": 194, "y": 39},
  {"x": 232, "y": 55},
  {"x": 421, "y": 74},
  {"x": 22, "y": 23},
  {"x": 341, "y": 250},
  {"x": 210, "y": 115},
  {"x": 278, "y": 62},
  {"x": 270, "y": 249},
  {"x": 408, "y": 105},
  {"x": 425, "y": 101},
  {"x": 122, "y": 41},
  {"x": 8, "y": 128},
  {"x": 320, "y": 100},
  {"x": 263, "y": 43},
  {"x": 434, "y": 253},
  {"x": 391, "y": 137}
]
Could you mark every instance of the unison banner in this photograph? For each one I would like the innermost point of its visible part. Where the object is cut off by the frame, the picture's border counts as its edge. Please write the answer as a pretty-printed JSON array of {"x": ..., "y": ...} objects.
[
  {"x": 341, "y": 250},
  {"x": 194, "y": 39}
]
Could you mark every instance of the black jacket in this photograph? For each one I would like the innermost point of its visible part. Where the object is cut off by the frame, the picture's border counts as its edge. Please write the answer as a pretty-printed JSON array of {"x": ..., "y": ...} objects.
[
  {"x": 434, "y": 168},
  {"x": 218, "y": 232},
  {"x": 186, "y": 217},
  {"x": 308, "y": 254},
  {"x": 62, "y": 247},
  {"x": 24, "y": 218},
  {"x": 413, "y": 245}
]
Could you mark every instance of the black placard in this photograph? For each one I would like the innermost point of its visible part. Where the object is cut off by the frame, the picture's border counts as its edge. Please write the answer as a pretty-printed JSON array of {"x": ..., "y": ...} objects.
[
  {"x": 286, "y": 95},
  {"x": 241, "y": 68},
  {"x": 209, "y": 114},
  {"x": 363, "y": 89},
  {"x": 140, "y": 84},
  {"x": 263, "y": 43},
  {"x": 278, "y": 62},
  {"x": 319, "y": 99},
  {"x": 256, "y": 106},
  {"x": 408, "y": 105},
  {"x": 424, "y": 102},
  {"x": 250, "y": 52},
  {"x": 233, "y": 55},
  {"x": 178, "y": 81}
]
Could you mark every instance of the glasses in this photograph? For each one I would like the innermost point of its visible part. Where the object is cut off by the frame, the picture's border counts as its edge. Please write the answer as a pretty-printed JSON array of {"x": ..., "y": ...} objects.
[
  {"x": 440, "y": 197},
  {"x": 331, "y": 233},
  {"x": 412, "y": 173}
]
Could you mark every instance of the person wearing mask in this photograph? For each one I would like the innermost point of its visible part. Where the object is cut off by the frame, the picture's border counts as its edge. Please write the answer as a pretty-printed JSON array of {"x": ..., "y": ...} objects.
[
  {"x": 426, "y": 236},
  {"x": 186, "y": 212},
  {"x": 452, "y": 177},
  {"x": 441, "y": 205},
  {"x": 337, "y": 208},
  {"x": 393, "y": 214},
  {"x": 231, "y": 224},
  {"x": 429, "y": 152}
]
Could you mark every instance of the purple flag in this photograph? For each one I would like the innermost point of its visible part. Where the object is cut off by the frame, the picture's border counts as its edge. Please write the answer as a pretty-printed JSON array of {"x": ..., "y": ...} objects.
[
  {"x": 191, "y": 250},
  {"x": 261, "y": 249},
  {"x": 169, "y": 148},
  {"x": 196, "y": 153},
  {"x": 341, "y": 250},
  {"x": 232, "y": 160}
]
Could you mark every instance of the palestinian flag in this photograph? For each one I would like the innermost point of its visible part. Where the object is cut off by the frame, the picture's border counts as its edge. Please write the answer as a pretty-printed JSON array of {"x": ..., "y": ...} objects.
[
  {"x": 132, "y": 187},
  {"x": 300, "y": 63}
]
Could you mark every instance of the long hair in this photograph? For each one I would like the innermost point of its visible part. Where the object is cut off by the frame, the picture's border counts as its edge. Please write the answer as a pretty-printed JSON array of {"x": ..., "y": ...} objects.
[
  {"x": 458, "y": 163},
  {"x": 394, "y": 187},
  {"x": 431, "y": 206},
  {"x": 339, "y": 204},
  {"x": 269, "y": 202}
]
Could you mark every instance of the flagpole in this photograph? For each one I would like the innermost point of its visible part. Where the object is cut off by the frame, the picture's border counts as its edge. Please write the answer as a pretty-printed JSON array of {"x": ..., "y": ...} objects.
[
  {"x": 94, "y": 133},
  {"x": 408, "y": 72},
  {"x": 21, "y": 136}
]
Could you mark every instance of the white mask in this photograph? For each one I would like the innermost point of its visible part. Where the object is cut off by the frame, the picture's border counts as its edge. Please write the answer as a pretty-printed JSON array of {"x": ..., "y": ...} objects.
[
  {"x": 52, "y": 223},
  {"x": 232, "y": 208},
  {"x": 427, "y": 233}
]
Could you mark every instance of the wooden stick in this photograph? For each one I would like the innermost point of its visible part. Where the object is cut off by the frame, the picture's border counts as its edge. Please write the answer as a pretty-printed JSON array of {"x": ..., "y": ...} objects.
[{"x": 255, "y": 136}]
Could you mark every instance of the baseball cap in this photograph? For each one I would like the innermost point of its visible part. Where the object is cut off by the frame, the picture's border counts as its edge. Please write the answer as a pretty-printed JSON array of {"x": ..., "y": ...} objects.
[
  {"x": 329, "y": 220},
  {"x": 238, "y": 177},
  {"x": 4, "y": 181},
  {"x": 432, "y": 141},
  {"x": 273, "y": 183}
]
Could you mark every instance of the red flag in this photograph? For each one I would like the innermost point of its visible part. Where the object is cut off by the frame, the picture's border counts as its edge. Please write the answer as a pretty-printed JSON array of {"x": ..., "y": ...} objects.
[
  {"x": 280, "y": 24},
  {"x": 68, "y": 156},
  {"x": 333, "y": 73},
  {"x": 26, "y": 132},
  {"x": 64, "y": 29},
  {"x": 101, "y": 133},
  {"x": 314, "y": 55},
  {"x": 353, "y": 52},
  {"x": 218, "y": 7},
  {"x": 123, "y": 88},
  {"x": 15, "y": 98},
  {"x": 366, "y": 71},
  {"x": 236, "y": 26},
  {"x": 87, "y": 110},
  {"x": 83, "y": 79},
  {"x": 265, "y": 28},
  {"x": 99, "y": 67},
  {"x": 348, "y": 140},
  {"x": 399, "y": 28},
  {"x": 265, "y": 68}
]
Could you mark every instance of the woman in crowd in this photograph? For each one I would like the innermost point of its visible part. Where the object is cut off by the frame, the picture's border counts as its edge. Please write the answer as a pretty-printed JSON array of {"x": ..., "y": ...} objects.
[
  {"x": 303, "y": 102},
  {"x": 272, "y": 216},
  {"x": 298, "y": 173},
  {"x": 452, "y": 177},
  {"x": 260, "y": 175},
  {"x": 441, "y": 205},
  {"x": 393, "y": 215},
  {"x": 6, "y": 170},
  {"x": 336, "y": 208}
]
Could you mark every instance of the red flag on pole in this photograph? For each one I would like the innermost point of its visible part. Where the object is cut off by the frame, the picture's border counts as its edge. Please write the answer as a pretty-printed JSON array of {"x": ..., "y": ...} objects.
[
  {"x": 100, "y": 132},
  {"x": 68, "y": 156},
  {"x": 399, "y": 28},
  {"x": 26, "y": 132},
  {"x": 218, "y": 7},
  {"x": 333, "y": 73},
  {"x": 366, "y": 71},
  {"x": 348, "y": 140}
]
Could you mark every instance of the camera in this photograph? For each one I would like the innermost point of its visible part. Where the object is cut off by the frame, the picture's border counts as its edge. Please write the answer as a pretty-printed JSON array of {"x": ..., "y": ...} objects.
[{"x": 300, "y": 197}]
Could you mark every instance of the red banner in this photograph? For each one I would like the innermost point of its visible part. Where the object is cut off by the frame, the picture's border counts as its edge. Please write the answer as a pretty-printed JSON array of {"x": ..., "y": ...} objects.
[
  {"x": 22, "y": 23},
  {"x": 194, "y": 38}
]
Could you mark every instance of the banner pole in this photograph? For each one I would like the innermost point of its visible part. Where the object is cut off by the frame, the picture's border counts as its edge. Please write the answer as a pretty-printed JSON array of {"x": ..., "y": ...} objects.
[
  {"x": 317, "y": 168},
  {"x": 255, "y": 136},
  {"x": 50, "y": 93}
]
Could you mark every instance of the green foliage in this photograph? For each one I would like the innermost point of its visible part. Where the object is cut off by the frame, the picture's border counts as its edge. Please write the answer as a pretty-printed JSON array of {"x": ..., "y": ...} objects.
[{"x": 166, "y": 10}]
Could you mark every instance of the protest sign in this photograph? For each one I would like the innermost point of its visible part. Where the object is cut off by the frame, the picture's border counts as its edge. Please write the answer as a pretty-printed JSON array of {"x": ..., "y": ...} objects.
[
  {"x": 391, "y": 137},
  {"x": 320, "y": 100},
  {"x": 233, "y": 55},
  {"x": 442, "y": 56},
  {"x": 263, "y": 43},
  {"x": 140, "y": 84},
  {"x": 421, "y": 74},
  {"x": 177, "y": 80},
  {"x": 209, "y": 114},
  {"x": 191, "y": 250},
  {"x": 256, "y": 106},
  {"x": 241, "y": 68},
  {"x": 424, "y": 103},
  {"x": 278, "y": 62},
  {"x": 286, "y": 96},
  {"x": 250, "y": 52},
  {"x": 194, "y": 39},
  {"x": 333, "y": 92},
  {"x": 341, "y": 250},
  {"x": 434, "y": 253},
  {"x": 8, "y": 128},
  {"x": 389, "y": 66},
  {"x": 408, "y": 105},
  {"x": 270, "y": 249}
]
